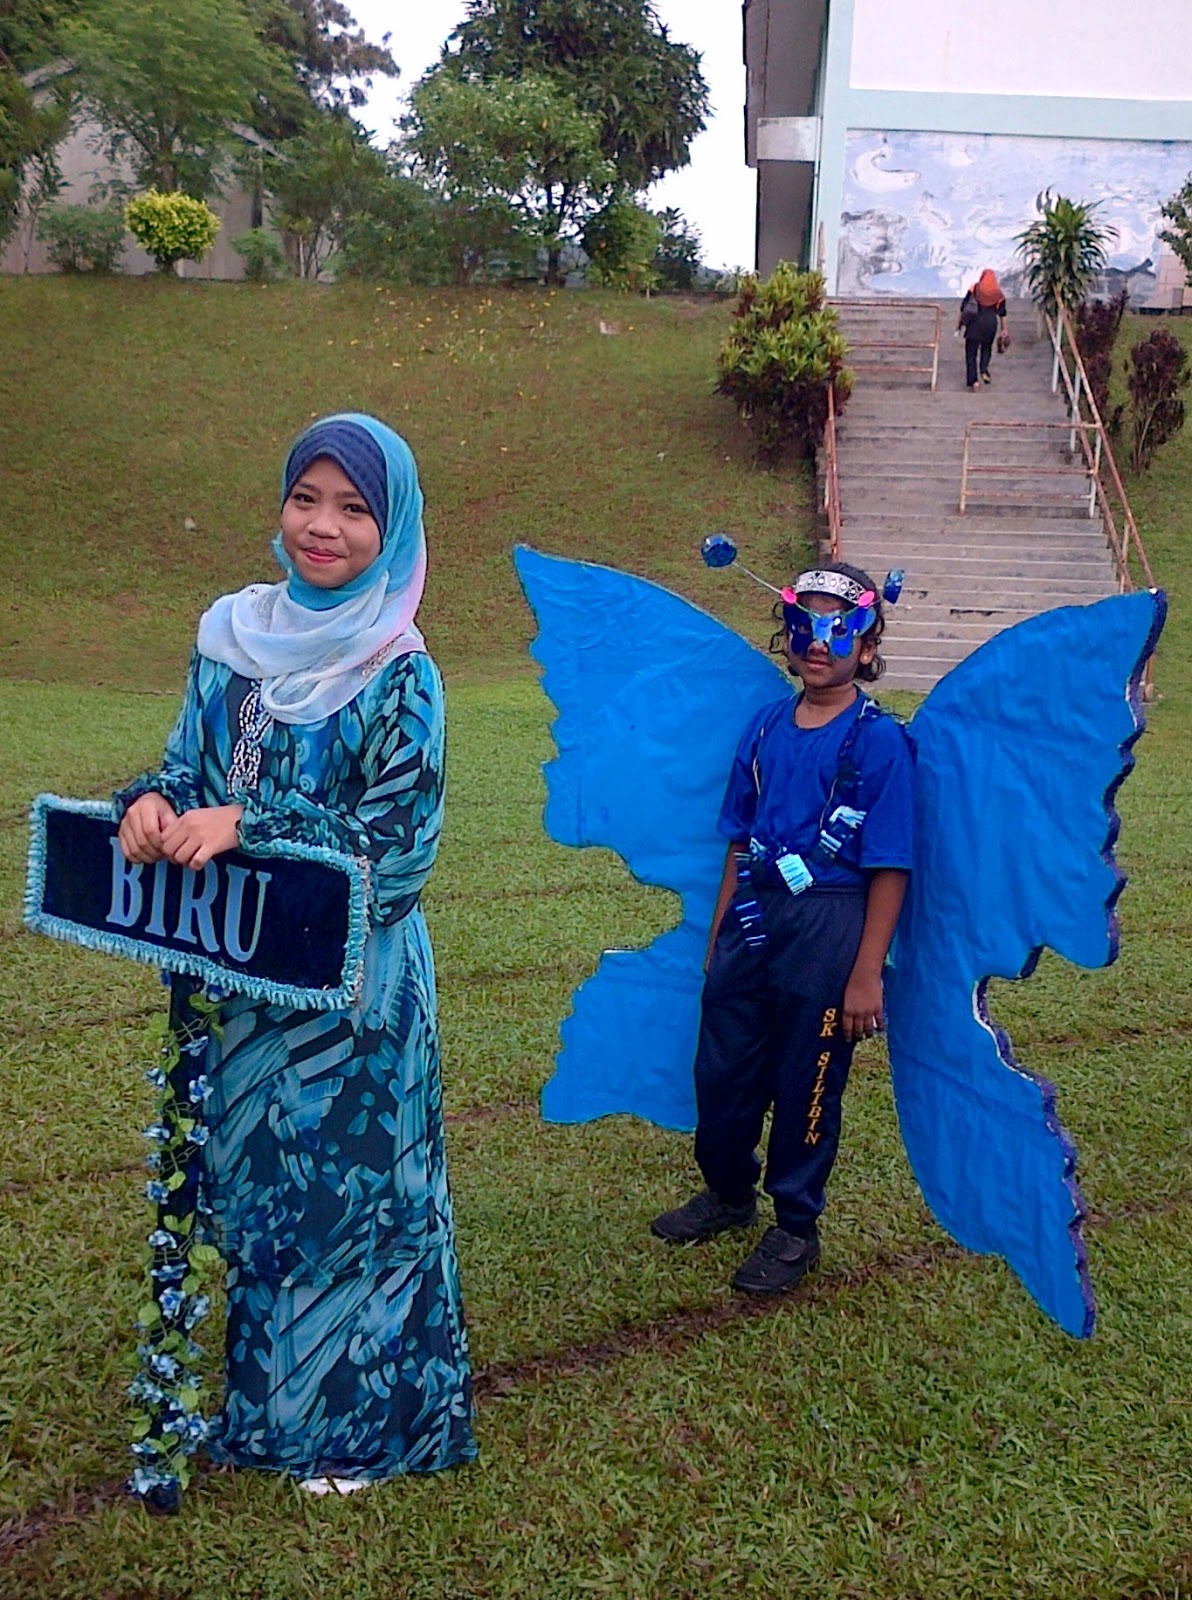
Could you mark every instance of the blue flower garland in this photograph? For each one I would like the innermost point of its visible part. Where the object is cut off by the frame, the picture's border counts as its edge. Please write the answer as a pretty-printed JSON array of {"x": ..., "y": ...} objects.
[{"x": 170, "y": 1425}]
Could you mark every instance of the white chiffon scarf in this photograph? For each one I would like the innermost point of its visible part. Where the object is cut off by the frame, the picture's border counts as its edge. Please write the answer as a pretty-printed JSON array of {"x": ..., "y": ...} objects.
[{"x": 310, "y": 664}]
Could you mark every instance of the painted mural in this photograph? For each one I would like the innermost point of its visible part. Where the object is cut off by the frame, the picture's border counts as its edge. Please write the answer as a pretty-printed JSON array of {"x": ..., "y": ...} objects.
[{"x": 924, "y": 212}]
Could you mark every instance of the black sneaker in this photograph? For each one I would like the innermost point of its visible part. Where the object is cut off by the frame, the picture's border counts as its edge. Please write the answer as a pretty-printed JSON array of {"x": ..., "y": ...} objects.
[
  {"x": 780, "y": 1262},
  {"x": 703, "y": 1217}
]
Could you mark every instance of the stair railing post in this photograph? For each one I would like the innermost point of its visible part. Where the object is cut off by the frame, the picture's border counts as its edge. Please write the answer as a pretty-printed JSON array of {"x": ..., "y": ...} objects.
[
  {"x": 935, "y": 351},
  {"x": 1054, "y": 329},
  {"x": 964, "y": 470},
  {"x": 1076, "y": 423}
]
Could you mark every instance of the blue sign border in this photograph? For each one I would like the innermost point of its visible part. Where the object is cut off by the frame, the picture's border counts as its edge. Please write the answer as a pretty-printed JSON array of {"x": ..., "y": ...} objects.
[{"x": 192, "y": 963}]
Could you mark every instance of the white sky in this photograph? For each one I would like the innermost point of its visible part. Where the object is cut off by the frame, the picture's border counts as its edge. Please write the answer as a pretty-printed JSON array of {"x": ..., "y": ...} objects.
[{"x": 715, "y": 192}]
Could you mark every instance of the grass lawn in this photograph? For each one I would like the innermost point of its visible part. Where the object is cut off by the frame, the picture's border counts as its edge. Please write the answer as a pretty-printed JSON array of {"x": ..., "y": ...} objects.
[{"x": 909, "y": 1426}]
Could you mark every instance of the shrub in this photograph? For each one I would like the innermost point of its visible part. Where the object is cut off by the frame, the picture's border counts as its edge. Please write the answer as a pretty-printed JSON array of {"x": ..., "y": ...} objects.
[
  {"x": 171, "y": 227},
  {"x": 263, "y": 257},
  {"x": 620, "y": 243},
  {"x": 1158, "y": 373},
  {"x": 82, "y": 238},
  {"x": 1097, "y": 323},
  {"x": 782, "y": 354},
  {"x": 677, "y": 258}
]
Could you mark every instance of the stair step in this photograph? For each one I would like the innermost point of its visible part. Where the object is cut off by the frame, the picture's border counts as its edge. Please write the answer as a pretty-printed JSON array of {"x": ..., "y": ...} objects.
[{"x": 1026, "y": 544}]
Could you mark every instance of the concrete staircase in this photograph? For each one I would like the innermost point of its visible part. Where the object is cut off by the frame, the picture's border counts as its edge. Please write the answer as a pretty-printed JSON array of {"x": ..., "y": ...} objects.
[{"x": 1027, "y": 542}]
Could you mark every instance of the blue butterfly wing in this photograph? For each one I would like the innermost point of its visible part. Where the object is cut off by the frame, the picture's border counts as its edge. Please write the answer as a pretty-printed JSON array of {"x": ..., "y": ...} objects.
[
  {"x": 652, "y": 694},
  {"x": 1019, "y": 753}
]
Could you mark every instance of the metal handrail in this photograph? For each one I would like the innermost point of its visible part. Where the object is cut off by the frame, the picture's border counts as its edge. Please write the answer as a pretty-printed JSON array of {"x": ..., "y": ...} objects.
[
  {"x": 932, "y": 344},
  {"x": 1123, "y": 542},
  {"x": 1002, "y": 469},
  {"x": 832, "y": 476}
]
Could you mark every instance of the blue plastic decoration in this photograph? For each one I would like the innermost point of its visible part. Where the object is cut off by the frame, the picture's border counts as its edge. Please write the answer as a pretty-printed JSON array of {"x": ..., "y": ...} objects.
[
  {"x": 1017, "y": 770},
  {"x": 892, "y": 587},
  {"x": 718, "y": 550}
]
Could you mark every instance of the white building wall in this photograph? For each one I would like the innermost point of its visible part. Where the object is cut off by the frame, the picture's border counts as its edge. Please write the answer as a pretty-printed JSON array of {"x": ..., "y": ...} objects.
[{"x": 1096, "y": 49}]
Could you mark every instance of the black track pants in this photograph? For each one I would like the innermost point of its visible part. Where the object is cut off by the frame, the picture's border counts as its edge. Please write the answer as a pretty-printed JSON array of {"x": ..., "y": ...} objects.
[{"x": 770, "y": 1035}]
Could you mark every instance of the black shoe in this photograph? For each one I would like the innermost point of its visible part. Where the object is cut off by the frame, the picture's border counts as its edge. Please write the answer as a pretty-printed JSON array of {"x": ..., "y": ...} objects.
[
  {"x": 703, "y": 1217},
  {"x": 780, "y": 1262}
]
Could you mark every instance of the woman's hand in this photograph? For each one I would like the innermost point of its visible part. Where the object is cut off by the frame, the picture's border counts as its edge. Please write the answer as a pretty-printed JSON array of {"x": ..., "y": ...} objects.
[
  {"x": 142, "y": 831},
  {"x": 864, "y": 1013},
  {"x": 196, "y": 836}
]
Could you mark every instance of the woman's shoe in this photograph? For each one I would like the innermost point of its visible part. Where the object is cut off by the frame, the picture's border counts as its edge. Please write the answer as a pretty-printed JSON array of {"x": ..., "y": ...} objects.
[
  {"x": 973, "y": 387},
  {"x": 985, "y": 378}
]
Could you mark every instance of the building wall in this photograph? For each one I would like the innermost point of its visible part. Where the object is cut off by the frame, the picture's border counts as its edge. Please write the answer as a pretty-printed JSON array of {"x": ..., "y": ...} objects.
[
  {"x": 85, "y": 172},
  {"x": 1064, "y": 48},
  {"x": 940, "y": 130},
  {"x": 922, "y": 213}
]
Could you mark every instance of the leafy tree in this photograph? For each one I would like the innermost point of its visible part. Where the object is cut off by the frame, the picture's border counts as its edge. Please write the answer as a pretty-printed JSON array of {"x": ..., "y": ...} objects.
[
  {"x": 29, "y": 136},
  {"x": 507, "y": 162},
  {"x": 1178, "y": 211},
  {"x": 320, "y": 180},
  {"x": 783, "y": 351},
  {"x": 328, "y": 49},
  {"x": 170, "y": 80},
  {"x": 1063, "y": 251},
  {"x": 29, "y": 31},
  {"x": 171, "y": 227},
  {"x": 613, "y": 57}
]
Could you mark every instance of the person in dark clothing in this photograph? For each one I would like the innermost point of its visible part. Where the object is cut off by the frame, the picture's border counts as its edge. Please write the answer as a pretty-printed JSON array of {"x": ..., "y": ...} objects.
[{"x": 981, "y": 326}]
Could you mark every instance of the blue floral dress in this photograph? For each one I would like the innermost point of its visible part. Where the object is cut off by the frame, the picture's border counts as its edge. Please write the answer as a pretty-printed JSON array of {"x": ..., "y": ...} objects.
[{"x": 325, "y": 1171}]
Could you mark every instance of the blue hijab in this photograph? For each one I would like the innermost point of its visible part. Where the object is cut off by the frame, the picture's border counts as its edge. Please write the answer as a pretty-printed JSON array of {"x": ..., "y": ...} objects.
[
  {"x": 313, "y": 650},
  {"x": 381, "y": 465}
]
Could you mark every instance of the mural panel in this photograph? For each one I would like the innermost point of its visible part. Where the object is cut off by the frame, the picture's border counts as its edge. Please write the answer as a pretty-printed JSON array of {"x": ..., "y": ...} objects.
[{"x": 924, "y": 212}]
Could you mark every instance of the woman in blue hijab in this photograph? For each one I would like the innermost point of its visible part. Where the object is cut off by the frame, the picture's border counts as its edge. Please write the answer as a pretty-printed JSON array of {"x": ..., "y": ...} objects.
[{"x": 314, "y": 714}]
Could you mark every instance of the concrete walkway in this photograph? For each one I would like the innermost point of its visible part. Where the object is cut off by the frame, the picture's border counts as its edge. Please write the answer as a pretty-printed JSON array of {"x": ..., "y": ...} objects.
[{"x": 1027, "y": 543}]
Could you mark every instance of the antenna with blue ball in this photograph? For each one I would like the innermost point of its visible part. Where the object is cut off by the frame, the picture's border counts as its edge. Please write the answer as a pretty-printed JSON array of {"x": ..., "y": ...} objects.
[{"x": 718, "y": 550}]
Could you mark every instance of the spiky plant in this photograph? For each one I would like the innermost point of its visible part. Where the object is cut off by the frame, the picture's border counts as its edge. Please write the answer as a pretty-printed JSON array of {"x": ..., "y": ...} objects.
[{"x": 1063, "y": 250}]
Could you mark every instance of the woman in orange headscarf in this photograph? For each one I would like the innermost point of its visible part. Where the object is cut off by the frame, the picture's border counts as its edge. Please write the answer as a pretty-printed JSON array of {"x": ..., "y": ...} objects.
[{"x": 982, "y": 318}]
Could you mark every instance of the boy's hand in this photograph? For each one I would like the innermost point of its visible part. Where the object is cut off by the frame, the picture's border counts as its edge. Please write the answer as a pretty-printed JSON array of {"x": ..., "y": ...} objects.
[
  {"x": 864, "y": 1013},
  {"x": 196, "y": 836},
  {"x": 143, "y": 827}
]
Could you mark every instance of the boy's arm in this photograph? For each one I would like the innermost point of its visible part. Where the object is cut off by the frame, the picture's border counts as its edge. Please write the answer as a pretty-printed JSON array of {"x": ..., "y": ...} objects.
[
  {"x": 864, "y": 1012},
  {"x": 728, "y": 888}
]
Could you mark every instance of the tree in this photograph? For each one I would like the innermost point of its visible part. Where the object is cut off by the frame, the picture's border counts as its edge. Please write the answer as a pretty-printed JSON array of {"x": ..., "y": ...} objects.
[
  {"x": 29, "y": 136},
  {"x": 328, "y": 50},
  {"x": 169, "y": 81},
  {"x": 1063, "y": 250},
  {"x": 613, "y": 57},
  {"x": 320, "y": 180},
  {"x": 506, "y": 161},
  {"x": 1178, "y": 211}
]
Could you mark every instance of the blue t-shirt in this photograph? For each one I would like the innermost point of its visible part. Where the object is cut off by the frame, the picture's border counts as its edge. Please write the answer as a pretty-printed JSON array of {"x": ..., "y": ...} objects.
[{"x": 782, "y": 776}]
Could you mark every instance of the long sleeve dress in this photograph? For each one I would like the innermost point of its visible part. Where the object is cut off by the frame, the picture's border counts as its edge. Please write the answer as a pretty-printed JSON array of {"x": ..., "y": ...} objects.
[{"x": 324, "y": 1168}]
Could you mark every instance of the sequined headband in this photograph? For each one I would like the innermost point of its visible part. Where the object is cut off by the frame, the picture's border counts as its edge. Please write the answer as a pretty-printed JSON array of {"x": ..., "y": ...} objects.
[{"x": 834, "y": 583}]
